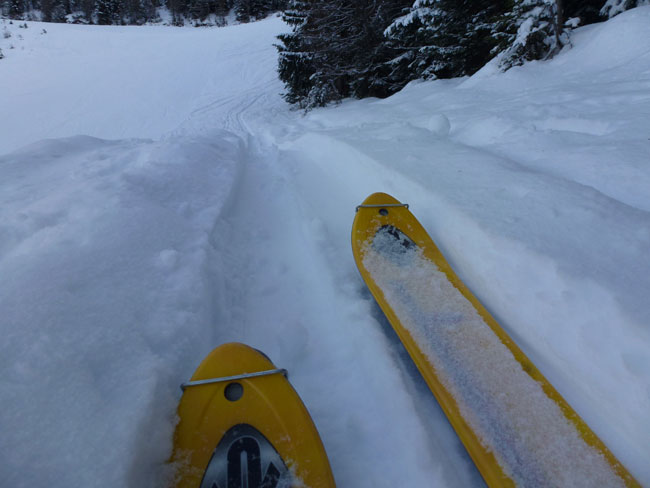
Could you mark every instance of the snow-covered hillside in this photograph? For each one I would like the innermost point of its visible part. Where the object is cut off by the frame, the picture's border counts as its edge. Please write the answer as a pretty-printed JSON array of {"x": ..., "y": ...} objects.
[{"x": 158, "y": 198}]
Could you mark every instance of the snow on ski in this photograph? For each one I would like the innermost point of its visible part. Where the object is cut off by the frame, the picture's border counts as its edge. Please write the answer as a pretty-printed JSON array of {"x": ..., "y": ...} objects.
[{"x": 515, "y": 425}]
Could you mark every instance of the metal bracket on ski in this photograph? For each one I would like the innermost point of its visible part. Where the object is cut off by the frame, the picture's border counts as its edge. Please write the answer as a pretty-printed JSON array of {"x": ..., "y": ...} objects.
[
  {"x": 383, "y": 206},
  {"x": 244, "y": 376}
]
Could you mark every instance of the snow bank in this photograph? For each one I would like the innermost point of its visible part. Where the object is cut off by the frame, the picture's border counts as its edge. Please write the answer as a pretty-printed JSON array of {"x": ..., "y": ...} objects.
[{"x": 105, "y": 301}]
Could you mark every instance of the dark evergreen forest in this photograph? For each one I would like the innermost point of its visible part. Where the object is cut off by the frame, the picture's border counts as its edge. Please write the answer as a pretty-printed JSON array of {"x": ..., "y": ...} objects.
[
  {"x": 358, "y": 48},
  {"x": 122, "y": 12}
]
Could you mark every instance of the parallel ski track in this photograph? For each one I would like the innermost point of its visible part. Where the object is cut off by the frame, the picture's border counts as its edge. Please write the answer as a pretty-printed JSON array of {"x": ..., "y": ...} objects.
[{"x": 275, "y": 302}]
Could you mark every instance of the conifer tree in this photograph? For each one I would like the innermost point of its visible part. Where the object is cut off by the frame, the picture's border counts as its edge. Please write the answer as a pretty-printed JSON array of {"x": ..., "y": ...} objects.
[
  {"x": 46, "y": 9},
  {"x": 58, "y": 12},
  {"x": 200, "y": 9},
  {"x": 87, "y": 7},
  {"x": 109, "y": 12},
  {"x": 615, "y": 7},
  {"x": 336, "y": 50},
  {"x": 248, "y": 10},
  {"x": 179, "y": 10},
  {"x": 585, "y": 11},
  {"x": 16, "y": 8},
  {"x": 445, "y": 38},
  {"x": 245, "y": 9},
  {"x": 222, "y": 7},
  {"x": 539, "y": 33},
  {"x": 295, "y": 64}
]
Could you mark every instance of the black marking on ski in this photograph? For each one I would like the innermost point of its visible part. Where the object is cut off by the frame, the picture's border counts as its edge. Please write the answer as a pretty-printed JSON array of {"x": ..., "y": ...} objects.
[
  {"x": 393, "y": 244},
  {"x": 244, "y": 458},
  {"x": 399, "y": 237},
  {"x": 272, "y": 477}
]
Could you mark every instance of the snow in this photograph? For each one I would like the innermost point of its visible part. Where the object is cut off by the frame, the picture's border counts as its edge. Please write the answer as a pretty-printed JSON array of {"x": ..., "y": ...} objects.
[
  {"x": 158, "y": 198},
  {"x": 90, "y": 80},
  {"x": 104, "y": 250}
]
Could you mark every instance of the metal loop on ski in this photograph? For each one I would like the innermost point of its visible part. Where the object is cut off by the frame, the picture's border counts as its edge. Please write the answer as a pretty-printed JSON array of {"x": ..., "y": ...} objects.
[
  {"x": 383, "y": 206},
  {"x": 244, "y": 376}
]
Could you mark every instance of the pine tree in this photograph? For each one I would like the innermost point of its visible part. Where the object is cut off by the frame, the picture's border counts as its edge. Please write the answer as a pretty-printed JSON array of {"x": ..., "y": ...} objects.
[
  {"x": 244, "y": 9},
  {"x": 222, "y": 7},
  {"x": 199, "y": 9},
  {"x": 16, "y": 9},
  {"x": 247, "y": 10},
  {"x": 336, "y": 50},
  {"x": 615, "y": 7},
  {"x": 445, "y": 38},
  {"x": 109, "y": 12},
  {"x": 179, "y": 10},
  {"x": 46, "y": 9},
  {"x": 295, "y": 64},
  {"x": 88, "y": 8},
  {"x": 539, "y": 32},
  {"x": 103, "y": 11},
  {"x": 586, "y": 11},
  {"x": 137, "y": 11},
  {"x": 59, "y": 12}
]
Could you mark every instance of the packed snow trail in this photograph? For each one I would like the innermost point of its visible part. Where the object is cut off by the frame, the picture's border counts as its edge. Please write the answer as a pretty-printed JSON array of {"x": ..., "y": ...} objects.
[
  {"x": 310, "y": 313},
  {"x": 124, "y": 262}
]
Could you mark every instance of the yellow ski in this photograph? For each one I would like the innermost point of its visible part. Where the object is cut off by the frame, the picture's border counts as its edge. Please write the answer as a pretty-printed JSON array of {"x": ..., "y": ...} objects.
[
  {"x": 242, "y": 424},
  {"x": 516, "y": 427}
]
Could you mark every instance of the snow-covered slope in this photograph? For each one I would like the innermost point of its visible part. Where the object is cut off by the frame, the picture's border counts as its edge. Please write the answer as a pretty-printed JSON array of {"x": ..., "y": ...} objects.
[
  {"x": 123, "y": 82},
  {"x": 217, "y": 214}
]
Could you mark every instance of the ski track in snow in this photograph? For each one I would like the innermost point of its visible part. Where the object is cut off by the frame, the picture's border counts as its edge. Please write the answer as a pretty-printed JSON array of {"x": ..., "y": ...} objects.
[{"x": 535, "y": 190}]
